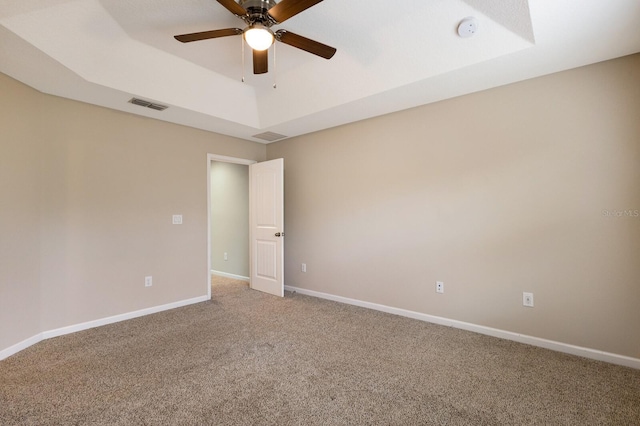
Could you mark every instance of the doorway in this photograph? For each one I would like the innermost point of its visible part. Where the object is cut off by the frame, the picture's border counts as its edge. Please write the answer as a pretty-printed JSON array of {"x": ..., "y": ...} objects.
[
  {"x": 228, "y": 217},
  {"x": 266, "y": 223}
]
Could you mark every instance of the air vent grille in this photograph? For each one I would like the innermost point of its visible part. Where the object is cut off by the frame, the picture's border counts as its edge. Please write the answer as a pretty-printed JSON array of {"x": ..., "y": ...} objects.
[
  {"x": 147, "y": 104},
  {"x": 269, "y": 136},
  {"x": 157, "y": 107}
]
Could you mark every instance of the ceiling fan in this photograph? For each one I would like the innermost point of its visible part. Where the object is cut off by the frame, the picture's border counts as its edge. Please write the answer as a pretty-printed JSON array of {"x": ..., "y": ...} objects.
[{"x": 260, "y": 16}]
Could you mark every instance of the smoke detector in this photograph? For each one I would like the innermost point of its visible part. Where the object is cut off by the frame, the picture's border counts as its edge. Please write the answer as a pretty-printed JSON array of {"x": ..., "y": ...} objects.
[{"x": 468, "y": 27}]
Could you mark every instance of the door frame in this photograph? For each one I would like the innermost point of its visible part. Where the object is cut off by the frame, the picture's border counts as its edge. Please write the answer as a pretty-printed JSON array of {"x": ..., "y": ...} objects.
[{"x": 222, "y": 159}]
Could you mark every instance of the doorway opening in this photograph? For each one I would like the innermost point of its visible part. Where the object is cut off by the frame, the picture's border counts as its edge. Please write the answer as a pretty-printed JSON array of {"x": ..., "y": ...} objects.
[{"x": 228, "y": 217}]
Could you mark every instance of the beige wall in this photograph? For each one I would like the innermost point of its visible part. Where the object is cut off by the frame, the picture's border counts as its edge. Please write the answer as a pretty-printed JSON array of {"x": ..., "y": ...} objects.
[
  {"x": 494, "y": 193},
  {"x": 230, "y": 218},
  {"x": 89, "y": 194},
  {"x": 20, "y": 183}
]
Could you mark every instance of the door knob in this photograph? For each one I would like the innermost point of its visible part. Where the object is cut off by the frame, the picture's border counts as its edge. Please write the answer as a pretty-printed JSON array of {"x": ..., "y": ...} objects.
[{"x": 279, "y": 234}]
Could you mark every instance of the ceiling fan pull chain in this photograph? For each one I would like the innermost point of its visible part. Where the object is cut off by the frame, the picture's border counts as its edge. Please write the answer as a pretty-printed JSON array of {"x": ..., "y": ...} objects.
[
  {"x": 242, "y": 50},
  {"x": 275, "y": 67}
]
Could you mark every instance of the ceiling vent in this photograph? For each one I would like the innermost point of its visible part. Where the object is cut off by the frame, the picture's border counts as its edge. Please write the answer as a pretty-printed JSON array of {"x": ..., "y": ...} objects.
[
  {"x": 269, "y": 136},
  {"x": 143, "y": 103}
]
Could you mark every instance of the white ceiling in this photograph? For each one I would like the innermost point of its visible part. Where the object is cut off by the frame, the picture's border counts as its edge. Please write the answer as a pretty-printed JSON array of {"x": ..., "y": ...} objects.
[{"x": 391, "y": 56}]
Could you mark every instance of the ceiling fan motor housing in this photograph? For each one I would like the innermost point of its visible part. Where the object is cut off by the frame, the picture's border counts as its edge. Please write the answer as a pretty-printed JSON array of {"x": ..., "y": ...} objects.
[
  {"x": 257, "y": 11},
  {"x": 263, "y": 4}
]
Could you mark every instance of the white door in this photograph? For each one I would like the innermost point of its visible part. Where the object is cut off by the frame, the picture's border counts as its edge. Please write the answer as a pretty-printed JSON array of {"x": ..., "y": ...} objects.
[{"x": 266, "y": 203}]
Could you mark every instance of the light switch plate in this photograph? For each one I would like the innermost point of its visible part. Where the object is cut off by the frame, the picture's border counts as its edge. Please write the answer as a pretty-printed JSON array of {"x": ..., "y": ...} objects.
[{"x": 177, "y": 219}]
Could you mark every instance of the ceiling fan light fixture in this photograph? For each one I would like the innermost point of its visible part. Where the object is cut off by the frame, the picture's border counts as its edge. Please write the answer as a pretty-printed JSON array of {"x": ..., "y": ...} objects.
[
  {"x": 258, "y": 37},
  {"x": 259, "y": 16}
]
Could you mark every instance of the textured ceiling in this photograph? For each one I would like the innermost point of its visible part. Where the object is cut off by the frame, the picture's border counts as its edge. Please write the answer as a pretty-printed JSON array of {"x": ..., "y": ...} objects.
[{"x": 391, "y": 56}]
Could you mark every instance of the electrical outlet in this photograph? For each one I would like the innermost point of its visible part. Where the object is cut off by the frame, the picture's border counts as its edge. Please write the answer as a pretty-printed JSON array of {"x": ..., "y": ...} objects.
[
  {"x": 176, "y": 219},
  {"x": 439, "y": 287},
  {"x": 148, "y": 281},
  {"x": 304, "y": 267},
  {"x": 527, "y": 300},
  {"x": 225, "y": 256}
]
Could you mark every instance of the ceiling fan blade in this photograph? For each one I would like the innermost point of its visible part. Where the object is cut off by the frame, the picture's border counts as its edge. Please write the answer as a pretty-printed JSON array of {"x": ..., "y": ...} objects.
[
  {"x": 288, "y": 8},
  {"x": 185, "y": 38},
  {"x": 260, "y": 61},
  {"x": 307, "y": 44},
  {"x": 233, "y": 7}
]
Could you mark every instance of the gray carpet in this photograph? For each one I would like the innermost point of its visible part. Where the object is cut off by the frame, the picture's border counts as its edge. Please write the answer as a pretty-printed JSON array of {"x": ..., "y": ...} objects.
[{"x": 247, "y": 358}]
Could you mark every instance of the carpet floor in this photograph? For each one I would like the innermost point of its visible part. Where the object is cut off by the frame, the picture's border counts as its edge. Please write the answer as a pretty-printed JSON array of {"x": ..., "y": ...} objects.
[{"x": 247, "y": 358}]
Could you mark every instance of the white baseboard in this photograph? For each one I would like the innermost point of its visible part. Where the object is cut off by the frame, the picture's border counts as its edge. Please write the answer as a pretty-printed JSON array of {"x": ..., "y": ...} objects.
[
  {"x": 228, "y": 275},
  {"x": 12, "y": 350},
  {"x": 122, "y": 317},
  {"x": 5, "y": 353},
  {"x": 508, "y": 335}
]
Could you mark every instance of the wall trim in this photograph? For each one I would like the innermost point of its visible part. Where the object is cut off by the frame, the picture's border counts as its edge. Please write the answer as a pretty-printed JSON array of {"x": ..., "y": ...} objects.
[
  {"x": 494, "y": 332},
  {"x": 12, "y": 350},
  {"x": 228, "y": 275},
  {"x": 227, "y": 159}
]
